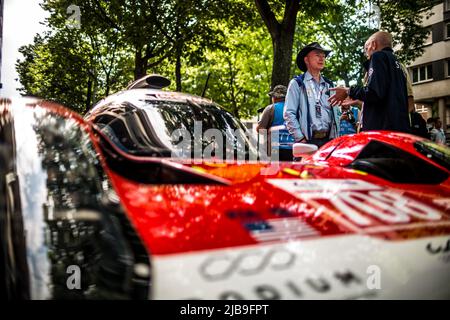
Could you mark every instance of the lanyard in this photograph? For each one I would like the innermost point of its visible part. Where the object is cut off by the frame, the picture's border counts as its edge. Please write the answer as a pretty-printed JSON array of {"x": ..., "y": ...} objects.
[
  {"x": 318, "y": 104},
  {"x": 318, "y": 92}
]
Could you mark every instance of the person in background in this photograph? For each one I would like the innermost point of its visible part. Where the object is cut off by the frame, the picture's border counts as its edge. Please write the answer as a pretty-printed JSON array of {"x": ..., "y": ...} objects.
[
  {"x": 348, "y": 119},
  {"x": 416, "y": 121},
  {"x": 430, "y": 124},
  {"x": 418, "y": 125},
  {"x": 278, "y": 137},
  {"x": 438, "y": 134}
]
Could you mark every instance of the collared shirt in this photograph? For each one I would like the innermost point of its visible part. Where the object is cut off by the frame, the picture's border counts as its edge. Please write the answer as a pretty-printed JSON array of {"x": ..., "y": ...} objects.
[
  {"x": 318, "y": 92},
  {"x": 299, "y": 108}
]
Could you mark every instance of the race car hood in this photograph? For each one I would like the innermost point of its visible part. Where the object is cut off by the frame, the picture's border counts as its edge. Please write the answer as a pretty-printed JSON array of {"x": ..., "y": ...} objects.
[
  {"x": 296, "y": 232},
  {"x": 279, "y": 203}
]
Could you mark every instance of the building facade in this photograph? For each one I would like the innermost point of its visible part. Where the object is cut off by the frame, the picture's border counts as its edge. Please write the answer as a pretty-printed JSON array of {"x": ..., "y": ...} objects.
[{"x": 430, "y": 73}]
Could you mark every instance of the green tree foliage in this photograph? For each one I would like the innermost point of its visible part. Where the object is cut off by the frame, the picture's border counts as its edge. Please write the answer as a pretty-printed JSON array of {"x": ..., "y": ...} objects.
[
  {"x": 76, "y": 67},
  {"x": 56, "y": 68},
  {"x": 241, "y": 47},
  {"x": 239, "y": 75},
  {"x": 344, "y": 25},
  {"x": 133, "y": 24},
  {"x": 190, "y": 28},
  {"x": 71, "y": 69},
  {"x": 404, "y": 20},
  {"x": 280, "y": 20},
  {"x": 344, "y": 30}
]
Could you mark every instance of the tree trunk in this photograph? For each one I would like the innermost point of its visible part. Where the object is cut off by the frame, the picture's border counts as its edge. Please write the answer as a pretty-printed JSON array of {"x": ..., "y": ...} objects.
[
  {"x": 282, "y": 58},
  {"x": 108, "y": 84},
  {"x": 140, "y": 63},
  {"x": 282, "y": 37},
  {"x": 89, "y": 94},
  {"x": 178, "y": 67}
]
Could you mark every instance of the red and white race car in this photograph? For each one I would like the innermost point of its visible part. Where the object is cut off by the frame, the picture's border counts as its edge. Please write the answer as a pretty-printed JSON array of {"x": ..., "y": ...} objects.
[{"x": 366, "y": 216}]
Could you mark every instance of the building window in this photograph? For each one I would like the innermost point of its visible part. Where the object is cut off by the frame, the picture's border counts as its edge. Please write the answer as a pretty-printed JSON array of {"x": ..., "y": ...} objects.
[
  {"x": 429, "y": 39},
  {"x": 420, "y": 108},
  {"x": 448, "y": 68},
  {"x": 447, "y": 30},
  {"x": 446, "y": 5},
  {"x": 422, "y": 73}
]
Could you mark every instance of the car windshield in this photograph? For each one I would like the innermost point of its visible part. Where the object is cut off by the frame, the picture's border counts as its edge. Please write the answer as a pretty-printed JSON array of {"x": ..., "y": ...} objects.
[
  {"x": 437, "y": 153},
  {"x": 186, "y": 129},
  {"x": 211, "y": 131}
]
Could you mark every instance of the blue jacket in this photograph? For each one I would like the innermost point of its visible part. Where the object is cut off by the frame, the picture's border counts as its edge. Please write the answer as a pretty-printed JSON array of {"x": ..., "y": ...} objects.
[{"x": 297, "y": 112}]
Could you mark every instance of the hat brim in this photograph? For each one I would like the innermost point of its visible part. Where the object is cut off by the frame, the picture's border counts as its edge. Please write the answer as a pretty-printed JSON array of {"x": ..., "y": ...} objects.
[
  {"x": 302, "y": 54},
  {"x": 277, "y": 95}
]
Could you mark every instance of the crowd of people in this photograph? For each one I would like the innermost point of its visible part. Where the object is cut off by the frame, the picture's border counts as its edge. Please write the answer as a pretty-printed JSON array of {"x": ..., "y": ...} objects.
[{"x": 313, "y": 110}]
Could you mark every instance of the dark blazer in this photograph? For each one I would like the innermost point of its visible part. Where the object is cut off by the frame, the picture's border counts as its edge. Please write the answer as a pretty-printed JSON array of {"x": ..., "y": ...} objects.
[{"x": 385, "y": 95}]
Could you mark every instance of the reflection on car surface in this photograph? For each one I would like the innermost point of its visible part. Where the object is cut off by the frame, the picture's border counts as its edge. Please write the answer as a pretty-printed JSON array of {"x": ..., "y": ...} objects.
[
  {"x": 60, "y": 215},
  {"x": 157, "y": 123}
]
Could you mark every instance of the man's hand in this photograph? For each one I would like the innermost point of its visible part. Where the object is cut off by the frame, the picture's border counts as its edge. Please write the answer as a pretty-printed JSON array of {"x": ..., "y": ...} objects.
[
  {"x": 350, "y": 102},
  {"x": 339, "y": 96}
]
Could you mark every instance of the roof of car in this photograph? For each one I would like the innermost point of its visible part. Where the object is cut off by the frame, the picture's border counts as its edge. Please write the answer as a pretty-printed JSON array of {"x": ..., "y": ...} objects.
[{"x": 137, "y": 95}]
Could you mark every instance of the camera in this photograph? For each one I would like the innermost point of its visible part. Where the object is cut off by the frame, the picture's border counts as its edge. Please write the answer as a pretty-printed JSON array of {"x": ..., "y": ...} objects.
[{"x": 350, "y": 116}]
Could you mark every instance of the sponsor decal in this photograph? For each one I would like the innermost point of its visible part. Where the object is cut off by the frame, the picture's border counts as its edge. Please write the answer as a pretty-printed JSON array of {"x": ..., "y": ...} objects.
[
  {"x": 350, "y": 283},
  {"x": 280, "y": 229},
  {"x": 243, "y": 214},
  {"x": 247, "y": 263},
  {"x": 251, "y": 263},
  {"x": 284, "y": 226},
  {"x": 347, "y": 267},
  {"x": 443, "y": 202},
  {"x": 433, "y": 249},
  {"x": 251, "y": 215},
  {"x": 362, "y": 206},
  {"x": 259, "y": 262},
  {"x": 439, "y": 249}
]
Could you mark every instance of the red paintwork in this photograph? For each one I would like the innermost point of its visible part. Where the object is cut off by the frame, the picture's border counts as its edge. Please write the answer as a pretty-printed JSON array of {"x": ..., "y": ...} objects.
[
  {"x": 188, "y": 218},
  {"x": 346, "y": 148},
  {"x": 183, "y": 218}
]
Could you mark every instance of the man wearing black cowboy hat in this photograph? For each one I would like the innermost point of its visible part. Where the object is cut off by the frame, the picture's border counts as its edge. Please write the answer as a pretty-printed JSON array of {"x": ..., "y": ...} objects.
[{"x": 308, "y": 114}]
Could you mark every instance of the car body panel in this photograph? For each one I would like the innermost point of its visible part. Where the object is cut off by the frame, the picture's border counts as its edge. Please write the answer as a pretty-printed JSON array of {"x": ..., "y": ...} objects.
[
  {"x": 211, "y": 217},
  {"x": 317, "y": 229},
  {"x": 341, "y": 267},
  {"x": 66, "y": 233},
  {"x": 157, "y": 123},
  {"x": 343, "y": 150}
]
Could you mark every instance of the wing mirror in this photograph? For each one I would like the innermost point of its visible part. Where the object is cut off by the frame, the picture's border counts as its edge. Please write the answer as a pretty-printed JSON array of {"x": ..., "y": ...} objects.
[{"x": 300, "y": 150}]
